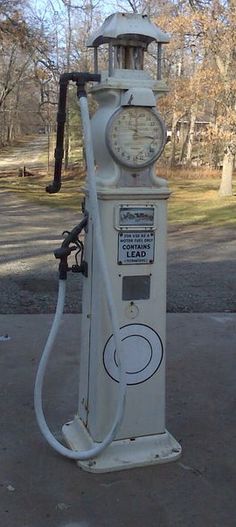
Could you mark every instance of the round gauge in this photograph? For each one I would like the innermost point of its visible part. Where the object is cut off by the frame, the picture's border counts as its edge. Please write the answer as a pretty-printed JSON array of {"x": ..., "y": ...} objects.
[{"x": 135, "y": 136}]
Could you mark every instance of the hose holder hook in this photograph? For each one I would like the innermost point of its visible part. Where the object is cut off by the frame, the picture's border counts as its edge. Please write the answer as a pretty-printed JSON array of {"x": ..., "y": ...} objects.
[{"x": 63, "y": 252}]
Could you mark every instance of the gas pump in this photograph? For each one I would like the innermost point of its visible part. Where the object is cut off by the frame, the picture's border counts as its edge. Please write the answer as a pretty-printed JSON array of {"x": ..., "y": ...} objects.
[{"x": 121, "y": 409}]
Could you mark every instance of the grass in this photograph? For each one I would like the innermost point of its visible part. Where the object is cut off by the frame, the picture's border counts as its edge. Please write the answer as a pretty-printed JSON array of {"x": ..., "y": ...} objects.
[
  {"x": 76, "y": 153},
  {"x": 197, "y": 202},
  {"x": 194, "y": 200},
  {"x": 32, "y": 188}
]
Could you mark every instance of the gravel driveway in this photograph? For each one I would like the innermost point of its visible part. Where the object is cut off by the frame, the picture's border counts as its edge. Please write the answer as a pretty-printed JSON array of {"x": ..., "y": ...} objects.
[
  {"x": 201, "y": 262},
  {"x": 201, "y": 269},
  {"x": 28, "y": 269}
]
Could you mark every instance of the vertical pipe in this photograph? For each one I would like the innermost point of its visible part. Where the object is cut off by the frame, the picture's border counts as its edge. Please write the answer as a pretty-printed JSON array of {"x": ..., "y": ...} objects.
[
  {"x": 95, "y": 58},
  {"x": 59, "y": 150},
  {"x": 159, "y": 60},
  {"x": 110, "y": 60}
]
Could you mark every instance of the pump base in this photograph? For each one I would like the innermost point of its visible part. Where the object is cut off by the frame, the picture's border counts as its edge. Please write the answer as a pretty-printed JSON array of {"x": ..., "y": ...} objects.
[{"x": 122, "y": 454}]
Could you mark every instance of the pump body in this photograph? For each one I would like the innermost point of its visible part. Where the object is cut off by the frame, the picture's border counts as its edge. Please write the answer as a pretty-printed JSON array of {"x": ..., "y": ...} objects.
[{"x": 128, "y": 137}]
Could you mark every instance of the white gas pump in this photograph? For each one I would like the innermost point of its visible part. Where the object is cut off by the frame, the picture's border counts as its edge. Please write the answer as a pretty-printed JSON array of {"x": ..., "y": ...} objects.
[{"x": 121, "y": 430}]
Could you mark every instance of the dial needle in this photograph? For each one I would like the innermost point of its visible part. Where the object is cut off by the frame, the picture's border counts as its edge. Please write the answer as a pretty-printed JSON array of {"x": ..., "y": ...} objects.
[{"x": 144, "y": 136}]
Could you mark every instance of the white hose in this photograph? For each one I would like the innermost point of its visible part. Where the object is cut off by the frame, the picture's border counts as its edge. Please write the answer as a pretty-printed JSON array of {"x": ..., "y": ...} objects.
[{"x": 94, "y": 213}]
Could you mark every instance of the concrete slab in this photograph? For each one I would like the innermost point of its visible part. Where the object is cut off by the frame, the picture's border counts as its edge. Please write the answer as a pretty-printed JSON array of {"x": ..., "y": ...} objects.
[{"x": 41, "y": 489}]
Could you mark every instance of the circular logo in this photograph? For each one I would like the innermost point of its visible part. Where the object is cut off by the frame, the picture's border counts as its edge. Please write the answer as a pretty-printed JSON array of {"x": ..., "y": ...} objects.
[{"x": 142, "y": 352}]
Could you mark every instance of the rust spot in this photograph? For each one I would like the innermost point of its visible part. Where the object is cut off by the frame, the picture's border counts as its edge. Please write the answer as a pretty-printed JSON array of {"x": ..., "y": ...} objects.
[{"x": 130, "y": 99}]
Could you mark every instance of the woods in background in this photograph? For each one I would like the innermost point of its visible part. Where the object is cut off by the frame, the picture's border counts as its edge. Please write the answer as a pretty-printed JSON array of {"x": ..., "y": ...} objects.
[{"x": 40, "y": 40}]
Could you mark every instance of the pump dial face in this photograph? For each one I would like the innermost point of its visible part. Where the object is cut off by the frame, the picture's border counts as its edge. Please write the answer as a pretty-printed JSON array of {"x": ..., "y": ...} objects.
[{"x": 135, "y": 136}]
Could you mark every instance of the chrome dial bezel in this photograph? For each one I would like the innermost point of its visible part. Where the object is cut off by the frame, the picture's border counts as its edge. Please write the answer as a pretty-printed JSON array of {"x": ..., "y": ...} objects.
[{"x": 121, "y": 157}]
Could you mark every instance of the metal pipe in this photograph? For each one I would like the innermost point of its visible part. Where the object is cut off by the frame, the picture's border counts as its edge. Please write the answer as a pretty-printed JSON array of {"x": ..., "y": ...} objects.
[
  {"x": 80, "y": 78},
  {"x": 110, "y": 60},
  {"x": 95, "y": 56},
  {"x": 159, "y": 60},
  {"x": 59, "y": 151}
]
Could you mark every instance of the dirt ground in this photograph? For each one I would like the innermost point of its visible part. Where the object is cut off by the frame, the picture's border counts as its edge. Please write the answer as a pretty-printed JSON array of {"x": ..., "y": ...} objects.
[
  {"x": 27, "y": 152},
  {"x": 201, "y": 262}
]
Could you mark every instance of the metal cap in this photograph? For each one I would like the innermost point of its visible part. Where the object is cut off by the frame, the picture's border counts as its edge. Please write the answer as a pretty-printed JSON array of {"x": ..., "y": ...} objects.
[{"x": 128, "y": 26}]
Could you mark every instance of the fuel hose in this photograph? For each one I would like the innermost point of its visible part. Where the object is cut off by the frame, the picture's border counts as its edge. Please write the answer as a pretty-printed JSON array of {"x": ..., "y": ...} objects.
[{"x": 98, "y": 448}]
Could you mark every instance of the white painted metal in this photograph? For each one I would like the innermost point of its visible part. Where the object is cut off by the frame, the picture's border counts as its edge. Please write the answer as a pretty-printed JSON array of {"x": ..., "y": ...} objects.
[
  {"x": 118, "y": 25},
  {"x": 123, "y": 454},
  {"x": 97, "y": 401},
  {"x": 141, "y": 308},
  {"x": 142, "y": 353},
  {"x": 139, "y": 97}
]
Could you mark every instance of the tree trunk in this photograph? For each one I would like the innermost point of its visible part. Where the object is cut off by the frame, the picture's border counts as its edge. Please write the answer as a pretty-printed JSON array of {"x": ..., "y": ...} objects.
[
  {"x": 215, "y": 155},
  {"x": 9, "y": 133},
  {"x": 193, "y": 117},
  {"x": 227, "y": 172},
  {"x": 173, "y": 140},
  {"x": 183, "y": 136}
]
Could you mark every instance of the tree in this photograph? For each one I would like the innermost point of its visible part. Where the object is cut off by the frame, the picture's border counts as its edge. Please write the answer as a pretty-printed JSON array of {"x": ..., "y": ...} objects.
[
  {"x": 216, "y": 24},
  {"x": 23, "y": 43}
]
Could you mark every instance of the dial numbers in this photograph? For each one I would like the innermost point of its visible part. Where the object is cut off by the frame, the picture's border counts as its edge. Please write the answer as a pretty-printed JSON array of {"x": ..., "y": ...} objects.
[{"x": 135, "y": 136}]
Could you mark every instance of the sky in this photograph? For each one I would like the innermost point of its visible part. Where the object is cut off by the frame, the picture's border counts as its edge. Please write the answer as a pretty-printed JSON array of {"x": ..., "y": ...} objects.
[{"x": 42, "y": 5}]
